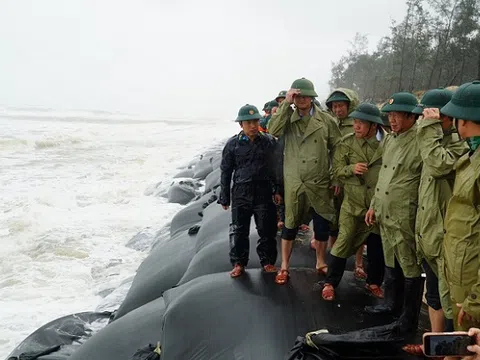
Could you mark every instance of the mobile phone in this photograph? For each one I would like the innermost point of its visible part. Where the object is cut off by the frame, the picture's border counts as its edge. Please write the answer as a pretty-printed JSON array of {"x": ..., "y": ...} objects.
[{"x": 447, "y": 344}]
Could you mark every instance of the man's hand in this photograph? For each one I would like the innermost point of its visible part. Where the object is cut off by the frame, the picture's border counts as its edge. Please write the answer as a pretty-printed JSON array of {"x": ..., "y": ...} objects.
[
  {"x": 291, "y": 95},
  {"x": 370, "y": 217},
  {"x": 277, "y": 199},
  {"x": 431, "y": 113},
  {"x": 473, "y": 348},
  {"x": 360, "y": 168},
  {"x": 462, "y": 315}
]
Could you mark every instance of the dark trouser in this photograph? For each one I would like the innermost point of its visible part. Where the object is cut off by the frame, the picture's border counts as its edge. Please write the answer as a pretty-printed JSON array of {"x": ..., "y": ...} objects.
[
  {"x": 320, "y": 229},
  {"x": 256, "y": 200},
  {"x": 432, "y": 295},
  {"x": 375, "y": 269}
]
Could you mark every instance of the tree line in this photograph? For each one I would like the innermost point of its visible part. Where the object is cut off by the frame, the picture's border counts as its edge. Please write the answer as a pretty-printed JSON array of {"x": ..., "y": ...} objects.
[{"x": 437, "y": 44}]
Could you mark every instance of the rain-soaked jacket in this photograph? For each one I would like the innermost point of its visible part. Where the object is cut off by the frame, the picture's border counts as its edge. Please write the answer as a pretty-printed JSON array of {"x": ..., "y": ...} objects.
[
  {"x": 250, "y": 162},
  {"x": 358, "y": 191},
  {"x": 396, "y": 199},
  {"x": 462, "y": 240},
  {"x": 440, "y": 151},
  {"x": 346, "y": 125},
  {"x": 307, "y": 158}
]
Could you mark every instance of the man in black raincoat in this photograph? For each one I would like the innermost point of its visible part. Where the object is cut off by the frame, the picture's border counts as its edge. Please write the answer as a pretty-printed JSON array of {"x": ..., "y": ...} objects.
[{"x": 250, "y": 157}]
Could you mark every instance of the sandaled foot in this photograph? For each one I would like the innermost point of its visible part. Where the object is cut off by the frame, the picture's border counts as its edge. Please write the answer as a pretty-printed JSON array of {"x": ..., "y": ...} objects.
[
  {"x": 323, "y": 270},
  {"x": 304, "y": 228},
  {"x": 414, "y": 349},
  {"x": 359, "y": 273},
  {"x": 375, "y": 290},
  {"x": 237, "y": 271},
  {"x": 282, "y": 277},
  {"x": 269, "y": 268},
  {"x": 280, "y": 225},
  {"x": 328, "y": 293}
]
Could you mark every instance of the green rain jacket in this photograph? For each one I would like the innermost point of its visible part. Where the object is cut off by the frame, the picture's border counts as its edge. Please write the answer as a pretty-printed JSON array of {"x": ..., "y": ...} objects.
[
  {"x": 309, "y": 146},
  {"x": 462, "y": 240},
  {"x": 358, "y": 191},
  {"x": 396, "y": 200}
]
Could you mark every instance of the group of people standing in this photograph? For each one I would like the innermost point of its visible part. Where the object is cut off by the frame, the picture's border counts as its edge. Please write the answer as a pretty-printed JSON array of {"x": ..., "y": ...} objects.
[{"x": 407, "y": 187}]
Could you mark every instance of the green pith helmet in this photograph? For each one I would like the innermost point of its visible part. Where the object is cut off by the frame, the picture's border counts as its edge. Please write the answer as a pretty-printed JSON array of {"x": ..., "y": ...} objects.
[
  {"x": 272, "y": 104},
  {"x": 402, "y": 101},
  {"x": 265, "y": 106},
  {"x": 281, "y": 94},
  {"x": 385, "y": 120},
  {"x": 248, "y": 112},
  {"x": 305, "y": 86},
  {"x": 337, "y": 96},
  {"x": 367, "y": 112},
  {"x": 436, "y": 98},
  {"x": 465, "y": 103}
]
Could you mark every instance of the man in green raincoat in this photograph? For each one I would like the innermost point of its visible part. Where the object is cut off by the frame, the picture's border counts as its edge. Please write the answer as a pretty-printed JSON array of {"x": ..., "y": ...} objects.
[
  {"x": 310, "y": 136},
  {"x": 394, "y": 207},
  {"x": 357, "y": 164},
  {"x": 462, "y": 220},
  {"x": 342, "y": 102},
  {"x": 440, "y": 148}
]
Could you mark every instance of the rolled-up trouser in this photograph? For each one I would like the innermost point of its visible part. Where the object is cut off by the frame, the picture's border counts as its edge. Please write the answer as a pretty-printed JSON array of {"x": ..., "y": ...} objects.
[{"x": 253, "y": 200}]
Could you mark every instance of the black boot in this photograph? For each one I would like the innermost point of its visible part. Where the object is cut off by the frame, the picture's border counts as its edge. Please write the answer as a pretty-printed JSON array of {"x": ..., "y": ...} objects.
[
  {"x": 393, "y": 286},
  {"x": 408, "y": 321}
]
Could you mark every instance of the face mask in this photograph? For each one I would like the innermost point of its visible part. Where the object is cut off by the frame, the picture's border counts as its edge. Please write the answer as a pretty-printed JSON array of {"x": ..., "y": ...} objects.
[{"x": 473, "y": 142}]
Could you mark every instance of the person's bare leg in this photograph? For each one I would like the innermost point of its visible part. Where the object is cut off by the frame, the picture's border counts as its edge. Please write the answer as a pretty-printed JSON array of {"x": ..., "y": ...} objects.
[
  {"x": 287, "y": 246},
  {"x": 331, "y": 241},
  {"x": 437, "y": 319},
  {"x": 321, "y": 252},
  {"x": 359, "y": 256}
]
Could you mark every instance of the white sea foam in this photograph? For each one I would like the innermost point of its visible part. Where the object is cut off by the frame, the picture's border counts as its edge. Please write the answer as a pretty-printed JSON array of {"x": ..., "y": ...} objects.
[{"x": 72, "y": 195}]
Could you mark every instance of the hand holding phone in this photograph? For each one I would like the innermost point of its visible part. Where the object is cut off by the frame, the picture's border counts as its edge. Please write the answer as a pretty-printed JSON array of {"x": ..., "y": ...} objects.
[{"x": 452, "y": 344}]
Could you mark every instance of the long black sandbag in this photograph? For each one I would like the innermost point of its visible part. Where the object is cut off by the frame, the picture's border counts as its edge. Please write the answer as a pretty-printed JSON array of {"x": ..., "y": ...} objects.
[
  {"x": 120, "y": 339},
  {"x": 255, "y": 317},
  {"x": 161, "y": 270}
]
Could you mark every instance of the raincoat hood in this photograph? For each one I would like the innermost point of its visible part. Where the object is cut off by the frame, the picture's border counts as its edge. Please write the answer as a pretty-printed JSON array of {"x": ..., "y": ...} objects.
[{"x": 350, "y": 94}]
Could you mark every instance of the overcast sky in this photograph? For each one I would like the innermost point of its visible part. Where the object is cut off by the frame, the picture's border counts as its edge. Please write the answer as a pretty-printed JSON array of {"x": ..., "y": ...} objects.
[{"x": 177, "y": 57}]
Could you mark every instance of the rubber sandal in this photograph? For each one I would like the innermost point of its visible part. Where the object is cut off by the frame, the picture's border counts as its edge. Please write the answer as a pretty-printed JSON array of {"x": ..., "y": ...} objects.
[
  {"x": 328, "y": 293},
  {"x": 323, "y": 270},
  {"x": 282, "y": 277},
  {"x": 359, "y": 273},
  {"x": 304, "y": 228},
  {"x": 375, "y": 290},
  {"x": 414, "y": 349},
  {"x": 269, "y": 268},
  {"x": 237, "y": 271}
]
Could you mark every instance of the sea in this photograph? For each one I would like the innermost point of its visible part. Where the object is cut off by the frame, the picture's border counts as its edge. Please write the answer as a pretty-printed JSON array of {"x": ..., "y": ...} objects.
[{"x": 75, "y": 187}]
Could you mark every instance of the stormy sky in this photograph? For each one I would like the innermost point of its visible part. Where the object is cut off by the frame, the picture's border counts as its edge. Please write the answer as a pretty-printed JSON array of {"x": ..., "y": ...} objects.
[{"x": 192, "y": 58}]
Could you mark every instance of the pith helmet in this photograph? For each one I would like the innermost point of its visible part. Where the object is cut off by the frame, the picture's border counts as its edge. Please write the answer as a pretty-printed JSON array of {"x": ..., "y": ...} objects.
[
  {"x": 435, "y": 98},
  {"x": 281, "y": 94},
  {"x": 305, "y": 86},
  {"x": 337, "y": 96},
  {"x": 367, "y": 112},
  {"x": 465, "y": 103},
  {"x": 248, "y": 112},
  {"x": 272, "y": 104},
  {"x": 402, "y": 101}
]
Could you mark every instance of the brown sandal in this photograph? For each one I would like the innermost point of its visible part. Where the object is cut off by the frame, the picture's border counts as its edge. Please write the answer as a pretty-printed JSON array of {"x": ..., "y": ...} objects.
[
  {"x": 237, "y": 271},
  {"x": 323, "y": 270},
  {"x": 282, "y": 277},
  {"x": 375, "y": 290},
  {"x": 328, "y": 292},
  {"x": 414, "y": 349},
  {"x": 359, "y": 273}
]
